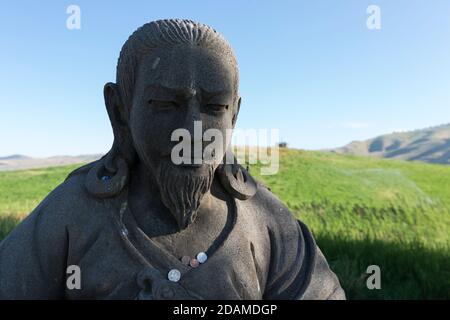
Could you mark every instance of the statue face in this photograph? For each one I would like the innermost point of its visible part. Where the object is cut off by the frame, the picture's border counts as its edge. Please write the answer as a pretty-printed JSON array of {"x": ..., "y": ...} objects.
[{"x": 175, "y": 87}]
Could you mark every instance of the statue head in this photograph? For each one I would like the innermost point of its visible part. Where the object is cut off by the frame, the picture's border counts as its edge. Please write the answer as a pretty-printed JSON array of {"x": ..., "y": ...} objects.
[{"x": 170, "y": 75}]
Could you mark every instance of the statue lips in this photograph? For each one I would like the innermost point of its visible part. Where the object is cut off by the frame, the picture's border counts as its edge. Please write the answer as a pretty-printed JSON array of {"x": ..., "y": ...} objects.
[
  {"x": 192, "y": 165},
  {"x": 191, "y": 168},
  {"x": 194, "y": 161}
]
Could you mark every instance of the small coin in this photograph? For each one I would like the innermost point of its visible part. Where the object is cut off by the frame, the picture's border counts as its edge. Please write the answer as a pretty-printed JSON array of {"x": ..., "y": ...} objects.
[
  {"x": 202, "y": 257},
  {"x": 186, "y": 260},
  {"x": 174, "y": 275},
  {"x": 194, "y": 263}
]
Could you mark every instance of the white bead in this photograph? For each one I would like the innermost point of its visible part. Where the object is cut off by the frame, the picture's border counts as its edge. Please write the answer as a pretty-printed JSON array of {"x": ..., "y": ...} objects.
[
  {"x": 202, "y": 257},
  {"x": 174, "y": 275}
]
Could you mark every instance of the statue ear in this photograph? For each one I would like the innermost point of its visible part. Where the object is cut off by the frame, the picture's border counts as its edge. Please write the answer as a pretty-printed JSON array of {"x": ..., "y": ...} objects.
[
  {"x": 238, "y": 107},
  {"x": 119, "y": 116},
  {"x": 117, "y": 112},
  {"x": 235, "y": 179},
  {"x": 110, "y": 174}
]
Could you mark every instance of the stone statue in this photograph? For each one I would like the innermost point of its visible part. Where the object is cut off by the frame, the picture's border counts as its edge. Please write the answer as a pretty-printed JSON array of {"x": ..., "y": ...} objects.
[{"x": 137, "y": 226}]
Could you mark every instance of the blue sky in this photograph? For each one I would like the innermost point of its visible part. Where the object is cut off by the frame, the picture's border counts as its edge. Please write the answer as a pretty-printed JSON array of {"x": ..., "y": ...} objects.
[{"x": 312, "y": 69}]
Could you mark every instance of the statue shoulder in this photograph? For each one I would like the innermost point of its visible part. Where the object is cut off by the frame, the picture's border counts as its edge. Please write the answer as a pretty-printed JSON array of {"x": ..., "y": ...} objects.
[
  {"x": 34, "y": 254},
  {"x": 70, "y": 200},
  {"x": 83, "y": 170},
  {"x": 271, "y": 205}
]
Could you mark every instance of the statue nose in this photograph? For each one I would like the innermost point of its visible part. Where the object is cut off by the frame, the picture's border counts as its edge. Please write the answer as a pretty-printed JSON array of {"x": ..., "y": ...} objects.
[
  {"x": 193, "y": 124},
  {"x": 193, "y": 116}
]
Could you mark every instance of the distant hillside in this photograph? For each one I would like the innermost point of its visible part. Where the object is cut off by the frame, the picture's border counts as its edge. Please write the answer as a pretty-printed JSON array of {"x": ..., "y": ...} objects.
[
  {"x": 428, "y": 145},
  {"x": 20, "y": 162},
  {"x": 14, "y": 157}
]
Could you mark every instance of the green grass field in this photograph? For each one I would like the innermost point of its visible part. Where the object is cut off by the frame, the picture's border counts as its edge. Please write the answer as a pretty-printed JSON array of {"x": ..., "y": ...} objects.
[{"x": 362, "y": 211}]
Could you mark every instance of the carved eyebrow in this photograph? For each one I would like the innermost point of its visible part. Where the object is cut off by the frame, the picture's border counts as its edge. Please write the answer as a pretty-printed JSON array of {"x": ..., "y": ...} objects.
[
  {"x": 173, "y": 92},
  {"x": 162, "y": 90},
  {"x": 158, "y": 88},
  {"x": 212, "y": 94},
  {"x": 218, "y": 92}
]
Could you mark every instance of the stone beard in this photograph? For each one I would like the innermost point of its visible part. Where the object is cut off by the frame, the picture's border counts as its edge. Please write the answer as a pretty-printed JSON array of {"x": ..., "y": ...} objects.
[{"x": 182, "y": 190}]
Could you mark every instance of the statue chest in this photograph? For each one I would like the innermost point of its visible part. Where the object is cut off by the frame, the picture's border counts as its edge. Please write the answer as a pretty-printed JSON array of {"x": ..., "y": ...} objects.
[{"x": 124, "y": 263}]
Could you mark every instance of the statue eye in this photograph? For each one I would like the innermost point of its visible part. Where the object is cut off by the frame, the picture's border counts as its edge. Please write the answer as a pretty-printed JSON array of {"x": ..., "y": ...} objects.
[
  {"x": 163, "y": 105},
  {"x": 217, "y": 107}
]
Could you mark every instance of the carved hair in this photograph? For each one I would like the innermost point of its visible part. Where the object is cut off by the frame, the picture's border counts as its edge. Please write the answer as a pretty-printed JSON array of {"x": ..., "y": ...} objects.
[{"x": 166, "y": 33}]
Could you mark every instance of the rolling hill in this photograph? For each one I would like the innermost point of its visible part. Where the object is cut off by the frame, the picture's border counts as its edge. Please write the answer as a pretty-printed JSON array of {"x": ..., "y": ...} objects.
[
  {"x": 430, "y": 145},
  {"x": 21, "y": 162}
]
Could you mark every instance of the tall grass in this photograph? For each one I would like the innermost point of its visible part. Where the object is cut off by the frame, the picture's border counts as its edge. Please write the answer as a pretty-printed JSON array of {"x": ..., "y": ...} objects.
[
  {"x": 366, "y": 211},
  {"x": 21, "y": 191}
]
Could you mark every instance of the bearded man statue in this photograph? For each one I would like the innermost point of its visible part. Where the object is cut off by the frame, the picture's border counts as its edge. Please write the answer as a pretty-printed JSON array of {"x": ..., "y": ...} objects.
[{"x": 138, "y": 225}]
